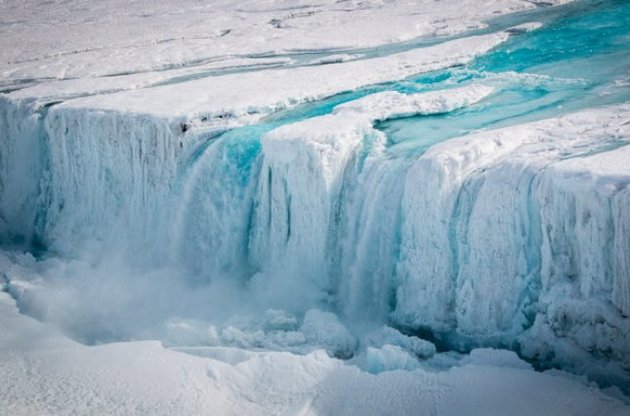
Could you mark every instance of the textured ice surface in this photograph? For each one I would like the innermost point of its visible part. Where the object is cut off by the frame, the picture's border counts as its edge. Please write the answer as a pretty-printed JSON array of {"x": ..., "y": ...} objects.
[
  {"x": 390, "y": 336},
  {"x": 501, "y": 196},
  {"x": 524, "y": 289},
  {"x": 388, "y": 358}
]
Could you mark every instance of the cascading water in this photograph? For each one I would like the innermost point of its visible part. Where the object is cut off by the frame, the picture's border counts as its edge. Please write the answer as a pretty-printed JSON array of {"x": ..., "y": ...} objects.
[{"x": 360, "y": 205}]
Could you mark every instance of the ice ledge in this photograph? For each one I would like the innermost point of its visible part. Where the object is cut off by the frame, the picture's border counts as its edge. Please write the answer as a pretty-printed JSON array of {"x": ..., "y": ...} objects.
[
  {"x": 274, "y": 89},
  {"x": 391, "y": 104}
]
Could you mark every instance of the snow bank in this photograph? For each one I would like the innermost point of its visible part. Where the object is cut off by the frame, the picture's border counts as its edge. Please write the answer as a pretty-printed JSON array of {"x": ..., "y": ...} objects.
[{"x": 143, "y": 377}]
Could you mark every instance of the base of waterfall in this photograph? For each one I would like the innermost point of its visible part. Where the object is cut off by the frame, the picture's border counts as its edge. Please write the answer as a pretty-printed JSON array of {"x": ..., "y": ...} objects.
[
  {"x": 270, "y": 363},
  {"x": 50, "y": 374}
]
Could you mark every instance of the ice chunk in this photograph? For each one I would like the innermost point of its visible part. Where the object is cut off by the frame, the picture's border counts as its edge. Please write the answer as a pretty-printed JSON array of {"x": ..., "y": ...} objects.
[
  {"x": 389, "y": 358},
  {"x": 325, "y": 329},
  {"x": 525, "y": 27},
  {"x": 387, "y": 335},
  {"x": 242, "y": 338},
  {"x": 279, "y": 320}
]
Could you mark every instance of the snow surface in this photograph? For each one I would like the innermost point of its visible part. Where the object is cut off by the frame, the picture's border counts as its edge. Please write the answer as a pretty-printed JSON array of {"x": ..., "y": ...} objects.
[
  {"x": 278, "y": 88},
  {"x": 79, "y": 39}
]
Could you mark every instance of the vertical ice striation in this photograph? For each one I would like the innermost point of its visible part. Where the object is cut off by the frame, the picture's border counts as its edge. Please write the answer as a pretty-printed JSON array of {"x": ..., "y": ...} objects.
[
  {"x": 368, "y": 235},
  {"x": 508, "y": 241},
  {"x": 495, "y": 235},
  {"x": 302, "y": 174},
  {"x": 584, "y": 251},
  {"x": 621, "y": 261},
  {"x": 466, "y": 234},
  {"x": 110, "y": 176},
  {"x": 329, "y": 196},
  {"x": 23, "y": 157}
]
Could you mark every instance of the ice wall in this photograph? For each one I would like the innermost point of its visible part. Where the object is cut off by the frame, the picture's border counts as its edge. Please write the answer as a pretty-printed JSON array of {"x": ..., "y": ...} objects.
[
  {"x": 515, "y": 237},
  {"x": 512, "y": 231},
  {"x": 301, "y": 178},
  {"x": 110, "y": 175},
  {"x": 489, "y": 239},
  {"x": 327, "y": 200}
]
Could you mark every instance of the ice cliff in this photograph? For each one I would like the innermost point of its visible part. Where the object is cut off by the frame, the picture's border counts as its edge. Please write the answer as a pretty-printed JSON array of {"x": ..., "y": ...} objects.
[{"x": 515, "y": 237}]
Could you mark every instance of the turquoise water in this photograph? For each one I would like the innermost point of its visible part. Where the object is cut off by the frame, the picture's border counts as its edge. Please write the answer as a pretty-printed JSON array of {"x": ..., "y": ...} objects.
[
  {"x": 580, "y": 60},
  {"x": 310, "y": 57}
]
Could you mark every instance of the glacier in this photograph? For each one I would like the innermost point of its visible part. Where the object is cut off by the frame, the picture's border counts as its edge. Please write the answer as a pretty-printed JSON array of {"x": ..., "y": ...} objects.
[{"x": 409, "y": 207}]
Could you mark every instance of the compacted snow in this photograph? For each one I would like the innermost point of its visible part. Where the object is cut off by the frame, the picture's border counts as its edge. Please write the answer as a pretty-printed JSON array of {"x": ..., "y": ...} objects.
[{"x": 334, "y": 207}]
